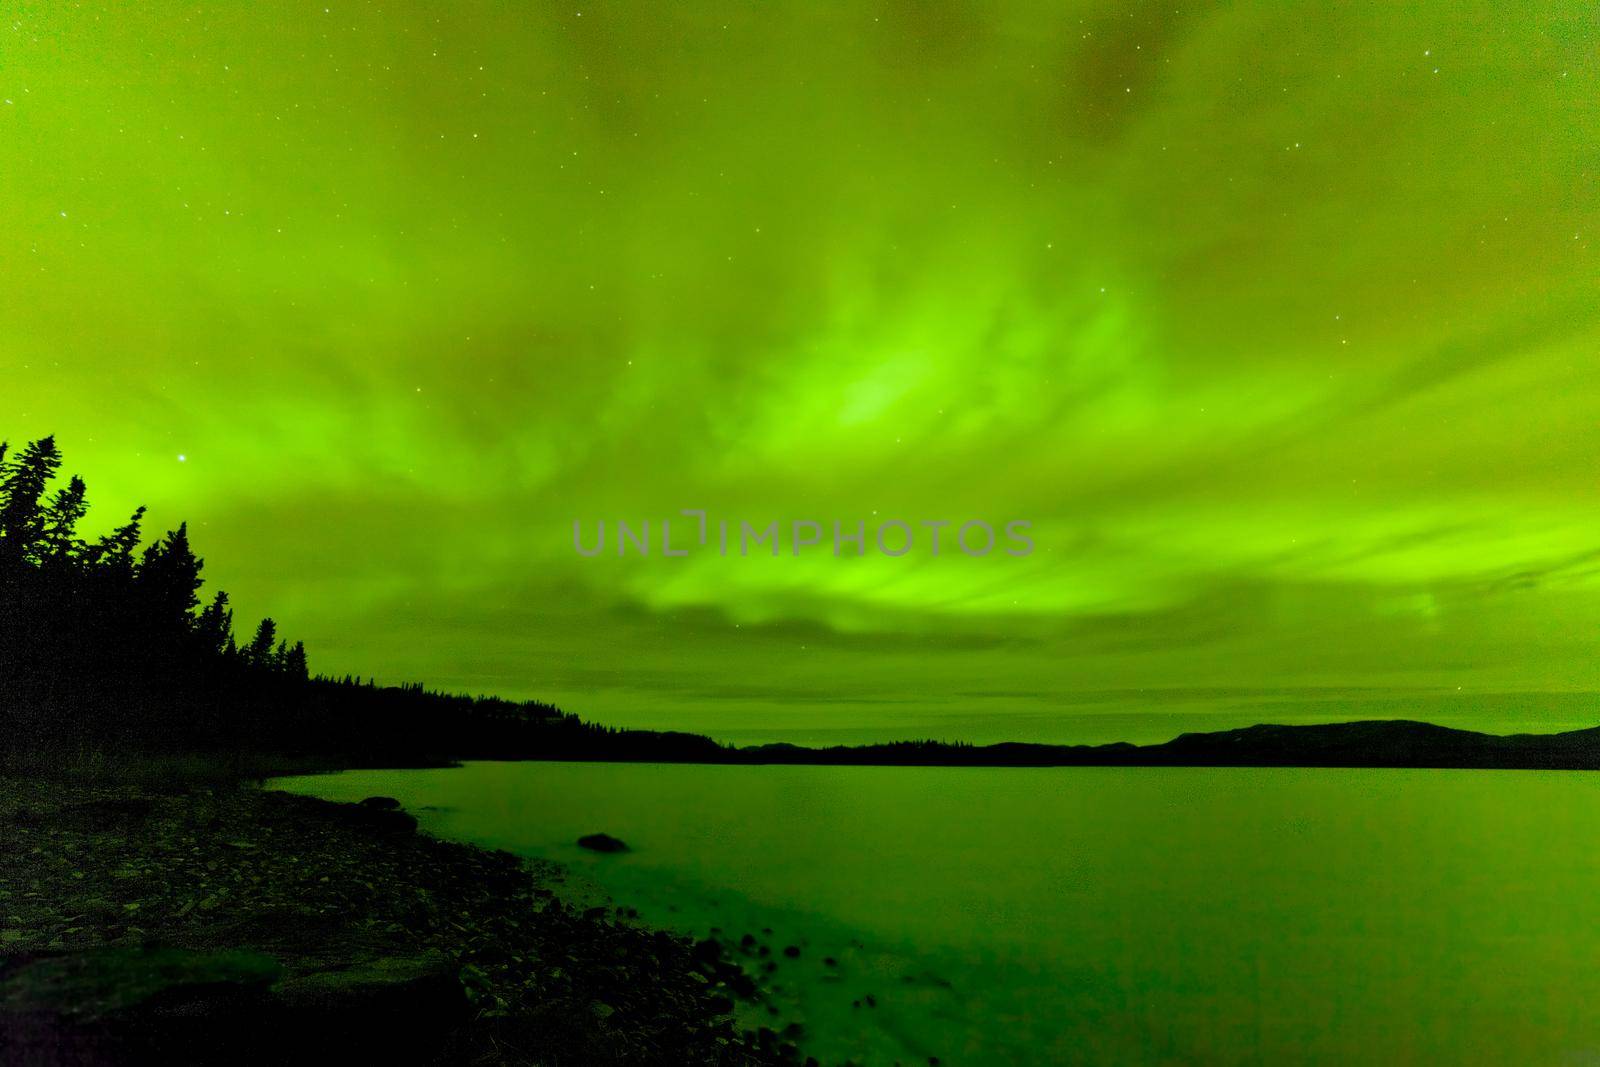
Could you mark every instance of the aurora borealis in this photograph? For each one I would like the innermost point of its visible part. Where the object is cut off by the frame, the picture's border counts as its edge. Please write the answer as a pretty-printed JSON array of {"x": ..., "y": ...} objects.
[{"x": 1278, "y": 324}]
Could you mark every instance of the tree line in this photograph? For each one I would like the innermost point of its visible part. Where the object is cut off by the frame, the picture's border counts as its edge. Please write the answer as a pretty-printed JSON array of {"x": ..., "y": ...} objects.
[{"x": 105, "y": 643}]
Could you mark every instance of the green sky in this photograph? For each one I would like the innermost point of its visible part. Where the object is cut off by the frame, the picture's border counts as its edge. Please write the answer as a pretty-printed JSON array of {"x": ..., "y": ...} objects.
[{"x": 1278, "y": 322}]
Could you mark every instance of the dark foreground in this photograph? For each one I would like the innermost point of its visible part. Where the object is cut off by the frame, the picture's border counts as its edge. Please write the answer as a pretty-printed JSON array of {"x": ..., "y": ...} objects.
[{"x": 242, "y": 926}]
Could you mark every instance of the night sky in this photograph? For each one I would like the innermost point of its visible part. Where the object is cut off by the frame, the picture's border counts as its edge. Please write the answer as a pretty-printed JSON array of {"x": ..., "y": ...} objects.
[{"x": 1279, "y": 323}]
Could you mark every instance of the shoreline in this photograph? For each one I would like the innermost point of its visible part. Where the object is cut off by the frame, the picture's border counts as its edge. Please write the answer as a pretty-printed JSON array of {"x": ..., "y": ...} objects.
[{"x": 262, "y": 926}]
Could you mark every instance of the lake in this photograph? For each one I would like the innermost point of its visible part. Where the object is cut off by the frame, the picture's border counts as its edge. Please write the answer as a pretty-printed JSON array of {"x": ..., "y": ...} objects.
[{"x": 1095, "y": 915}]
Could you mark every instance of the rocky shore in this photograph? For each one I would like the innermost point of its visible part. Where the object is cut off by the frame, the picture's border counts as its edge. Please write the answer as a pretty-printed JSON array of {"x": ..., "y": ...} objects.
[{"x": 248, "y": 926}]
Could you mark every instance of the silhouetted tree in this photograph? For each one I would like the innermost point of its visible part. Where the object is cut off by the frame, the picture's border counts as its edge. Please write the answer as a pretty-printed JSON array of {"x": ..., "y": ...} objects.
[
  {"x": 213, "y": 630},
  {"x": 58, "y": 541},
  {"x": 168, "y": 579},
  {"x": 258, "y": 653},
  {"x": 103, "y": 647},
  {"x": 22, "y": 486},
  {"x": 115, "y": 550},
  {"x": 294, "y": 662}
]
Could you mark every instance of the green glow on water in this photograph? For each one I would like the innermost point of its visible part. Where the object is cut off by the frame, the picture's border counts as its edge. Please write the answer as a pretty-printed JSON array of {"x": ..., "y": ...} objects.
[{"x": 1113, "y": 915}]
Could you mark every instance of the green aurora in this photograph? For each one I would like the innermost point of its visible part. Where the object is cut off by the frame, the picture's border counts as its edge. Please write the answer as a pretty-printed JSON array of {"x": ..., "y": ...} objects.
[{"x": 1279, "y": 323}]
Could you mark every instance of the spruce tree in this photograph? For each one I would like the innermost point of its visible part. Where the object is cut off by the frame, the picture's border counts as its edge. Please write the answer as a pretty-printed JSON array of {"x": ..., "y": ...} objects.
[
  {"x": 168, "y": 579},
  {"x": 22, "y": 487},
  {"x": 214, "y": 628},
  {"x": 58, "y": 541},
  {"x": 294, "y": 662},
  {"x": 258, "y": 653}
]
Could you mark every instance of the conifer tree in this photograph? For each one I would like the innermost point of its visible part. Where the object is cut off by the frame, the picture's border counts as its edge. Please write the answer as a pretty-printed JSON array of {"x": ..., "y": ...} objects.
[
  {"x": 22, "y": 487},
  {"x": 115, "y": 549},
  {"x": 214, "y": 628},
  {"x": 58, "y": 541},
  {"x": 258, "y": 653},
  {"x": 168, "y": 578},
  {"x": 294, "y": 662}
]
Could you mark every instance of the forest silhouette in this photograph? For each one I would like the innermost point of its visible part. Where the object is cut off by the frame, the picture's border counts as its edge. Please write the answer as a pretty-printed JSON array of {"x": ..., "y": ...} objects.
[{"x": 106, "y": 647}]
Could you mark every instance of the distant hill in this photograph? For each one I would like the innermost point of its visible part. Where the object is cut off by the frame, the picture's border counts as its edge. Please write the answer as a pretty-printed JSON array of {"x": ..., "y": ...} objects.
[{"x": 1374, "y": 743}]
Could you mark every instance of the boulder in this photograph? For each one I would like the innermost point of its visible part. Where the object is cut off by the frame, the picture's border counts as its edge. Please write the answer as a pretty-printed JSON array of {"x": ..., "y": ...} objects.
[
  {"x": 155, "y": 1005},
  {"x": 602, "y": 843},
  {"x": 392, "y": 1007},
  {"x": 101, "y": 982},
  {"x": 361, "y": 816},
  {"x": 138, "y": 1004},
  {"x": 388, "y": 820}
]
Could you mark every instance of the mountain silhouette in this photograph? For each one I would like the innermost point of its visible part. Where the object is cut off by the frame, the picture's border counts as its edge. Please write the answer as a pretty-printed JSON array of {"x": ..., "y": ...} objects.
[{"x": 1371, "y": 743}]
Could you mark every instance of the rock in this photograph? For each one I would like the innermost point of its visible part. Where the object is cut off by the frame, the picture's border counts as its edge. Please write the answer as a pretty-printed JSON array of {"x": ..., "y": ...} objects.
[
  {"x": 382, "y": 803},
  {"x": 101, "y": 982},
  {"x": 112, "y": 813},
  {"x": 134, "y": 1005},
  {"x": 385, "y": 819},
  {"x": 741, "y": 984},
  {"x": 363, "y": 817},
  {"x": 345, "y": 897},
  {"x": 285, "y": 923},
  {"x": 150, "y": 1004},
  {"x": 602, "y": 843},
  {"x": 388, "y": 1008}
]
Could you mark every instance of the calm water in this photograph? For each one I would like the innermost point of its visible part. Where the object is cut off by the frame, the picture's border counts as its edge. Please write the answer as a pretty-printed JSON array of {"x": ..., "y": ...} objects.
[{"x": 1100, "y": 915}]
